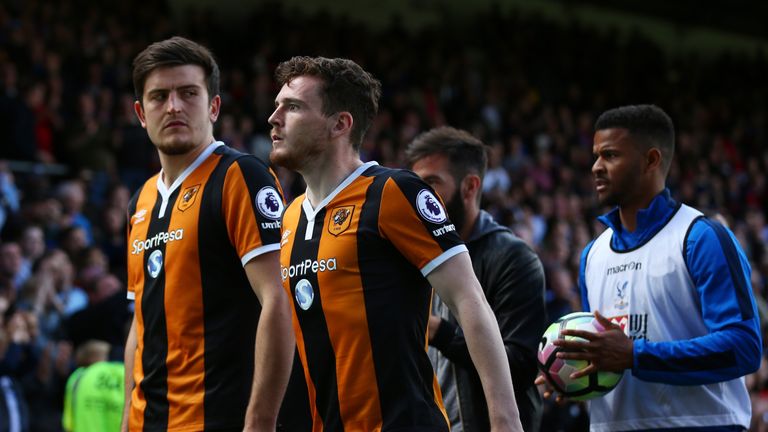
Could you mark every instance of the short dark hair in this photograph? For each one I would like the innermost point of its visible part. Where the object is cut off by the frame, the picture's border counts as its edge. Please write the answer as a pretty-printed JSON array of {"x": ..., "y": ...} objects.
[
  {"x": 466, "y": 154},
  {"x": 347, "y": 87},
  {"x": 176, "y": 51},
  {"x": 648, "y": 125}
]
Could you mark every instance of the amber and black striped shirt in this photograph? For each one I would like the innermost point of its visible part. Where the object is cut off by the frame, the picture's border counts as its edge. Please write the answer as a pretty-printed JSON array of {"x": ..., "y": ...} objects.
[
  {"x": 196, "y": 313},
  {"x": 355, "y": 268}
]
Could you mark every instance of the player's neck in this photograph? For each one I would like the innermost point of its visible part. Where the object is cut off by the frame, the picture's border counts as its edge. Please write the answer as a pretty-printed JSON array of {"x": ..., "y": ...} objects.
[
  {"x": 628, "y": 210},
  {"x": 174, "y": 165},
  {"x": 327, "y": 173}
]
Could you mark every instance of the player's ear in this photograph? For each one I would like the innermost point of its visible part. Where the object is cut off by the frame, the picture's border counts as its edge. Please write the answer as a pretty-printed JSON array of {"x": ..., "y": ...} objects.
[
  {"x": 342, "y": 123},
  {"x": 653, "y": 159},
  {"x": 471, "y": 186},
  {"x": 138, "y": 108},
  {"x": 215, "y": 108}
]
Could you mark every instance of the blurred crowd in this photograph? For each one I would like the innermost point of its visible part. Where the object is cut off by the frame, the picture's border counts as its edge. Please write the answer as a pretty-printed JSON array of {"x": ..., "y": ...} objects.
[{"x": 530, "y": 88}]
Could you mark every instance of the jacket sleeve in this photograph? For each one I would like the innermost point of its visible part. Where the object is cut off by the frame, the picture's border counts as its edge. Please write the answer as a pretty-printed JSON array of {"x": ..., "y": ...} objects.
[
  {"x": 512, "y": 277},
  {"x": 732, "y": 347},
  {"x": 582, "y": 278}
]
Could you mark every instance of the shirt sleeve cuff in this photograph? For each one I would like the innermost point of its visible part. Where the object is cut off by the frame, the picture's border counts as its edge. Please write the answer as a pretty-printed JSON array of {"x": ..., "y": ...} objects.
[
  {"x": 638, "y": 346},
  {"x": 435, "y": 263},
  {"x": 259, "y": 251}
]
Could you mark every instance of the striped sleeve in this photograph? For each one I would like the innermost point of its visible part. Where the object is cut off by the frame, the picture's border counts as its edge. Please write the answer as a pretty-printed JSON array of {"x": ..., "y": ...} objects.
[
  {"x": 252, "y": 206},
  {"x": 414, "y": 219}
]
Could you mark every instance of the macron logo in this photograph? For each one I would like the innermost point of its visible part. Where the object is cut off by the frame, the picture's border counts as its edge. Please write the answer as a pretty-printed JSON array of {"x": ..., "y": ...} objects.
[{"x": 630, "y": 266}]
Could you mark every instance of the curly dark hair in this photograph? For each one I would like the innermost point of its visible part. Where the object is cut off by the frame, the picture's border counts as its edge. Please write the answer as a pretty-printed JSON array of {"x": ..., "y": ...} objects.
[{"x": 347, "y": 87}]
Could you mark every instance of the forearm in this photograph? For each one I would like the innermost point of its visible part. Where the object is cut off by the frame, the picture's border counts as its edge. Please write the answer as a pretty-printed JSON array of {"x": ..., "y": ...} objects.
[
  {"x": 130, "y": 352},
  {"x": 273, "y": 356},
  {"x": 720, "y": 356}
]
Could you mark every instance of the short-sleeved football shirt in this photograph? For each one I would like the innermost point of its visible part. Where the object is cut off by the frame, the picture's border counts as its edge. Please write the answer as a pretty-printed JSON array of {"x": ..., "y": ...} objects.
[
  {"x": 196, "y": 312},
  {"x": 355, "y": 269}
]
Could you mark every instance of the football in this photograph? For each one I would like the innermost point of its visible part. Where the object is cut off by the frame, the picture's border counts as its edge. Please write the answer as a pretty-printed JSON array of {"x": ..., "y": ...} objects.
[{"x": 557, "y": 371}]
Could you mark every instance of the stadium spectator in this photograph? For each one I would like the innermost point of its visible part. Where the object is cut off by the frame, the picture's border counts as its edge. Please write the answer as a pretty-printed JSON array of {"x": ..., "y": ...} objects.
[
  {"x": 9, "y": 198},
  {"x": 13, "y": 273},
  {"x": 453, "y": 162},
  {"x": 32, "y": 244},
  {"x": 95, "y": 393},
  {"x": 107, "y": 316},
  {"x": 51, "y": 294},
  {"x": 72, "y": 196},
  {"x": 17, "y": 357}
]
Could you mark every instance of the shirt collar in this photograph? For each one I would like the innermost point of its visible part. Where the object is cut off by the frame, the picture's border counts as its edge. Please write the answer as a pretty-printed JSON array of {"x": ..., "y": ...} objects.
[{"x": 649, "y": 221}]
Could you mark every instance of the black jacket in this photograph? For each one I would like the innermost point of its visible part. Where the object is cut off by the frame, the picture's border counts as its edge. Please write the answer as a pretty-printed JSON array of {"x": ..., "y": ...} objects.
[{"x": 512, "y": 278}]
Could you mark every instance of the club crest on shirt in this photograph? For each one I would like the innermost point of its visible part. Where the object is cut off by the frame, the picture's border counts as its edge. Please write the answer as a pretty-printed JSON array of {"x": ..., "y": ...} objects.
[
  {"x": 187, "y": 198},
  {"x": 430, "y": 207},
  {"x": 620, "y": 300},
  {"x": 341, "y": 217},
  {"x": 268, "y": 203}
]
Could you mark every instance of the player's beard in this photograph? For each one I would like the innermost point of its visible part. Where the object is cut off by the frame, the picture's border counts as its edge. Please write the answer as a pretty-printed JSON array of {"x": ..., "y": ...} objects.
[
  {"x": 297, "y": 155},
  {"x": 620, "y": 191},
  {"x": 456, "y": 210},
  {"x": 175, "y": 148}
]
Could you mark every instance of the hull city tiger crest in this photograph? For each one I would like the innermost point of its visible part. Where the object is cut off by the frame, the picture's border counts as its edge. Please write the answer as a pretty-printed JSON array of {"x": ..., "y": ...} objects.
[
  {"x": 188, "y": 196},
  {"x": 341, "y": 217}
]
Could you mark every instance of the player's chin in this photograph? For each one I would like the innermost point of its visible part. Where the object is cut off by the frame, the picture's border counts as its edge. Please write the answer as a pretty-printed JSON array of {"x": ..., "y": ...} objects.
[
  {"x": 175, "y": 147},
  {"x": 285, "y": 159},
  {"x": 606, "y": 198}
]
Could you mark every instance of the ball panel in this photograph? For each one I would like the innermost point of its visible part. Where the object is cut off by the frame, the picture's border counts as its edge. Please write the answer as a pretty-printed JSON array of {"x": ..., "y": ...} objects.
[{"x": 557, "y": 371}]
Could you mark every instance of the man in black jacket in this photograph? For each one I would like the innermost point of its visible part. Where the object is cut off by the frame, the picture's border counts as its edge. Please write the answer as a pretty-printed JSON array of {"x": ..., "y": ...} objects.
[{"x": 453, "y": 162}]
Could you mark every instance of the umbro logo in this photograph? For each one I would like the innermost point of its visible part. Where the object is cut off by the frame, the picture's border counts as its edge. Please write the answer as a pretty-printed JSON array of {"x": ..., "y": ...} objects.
[
  {"x": 284, "y": 240},
  {"x": 138, "y": 216}
]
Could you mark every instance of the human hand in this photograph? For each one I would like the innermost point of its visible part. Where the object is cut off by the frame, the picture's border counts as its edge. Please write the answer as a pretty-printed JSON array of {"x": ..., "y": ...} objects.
[
  {"x": 610, "y": 350},
  {"x": 547, "y": 390}
]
